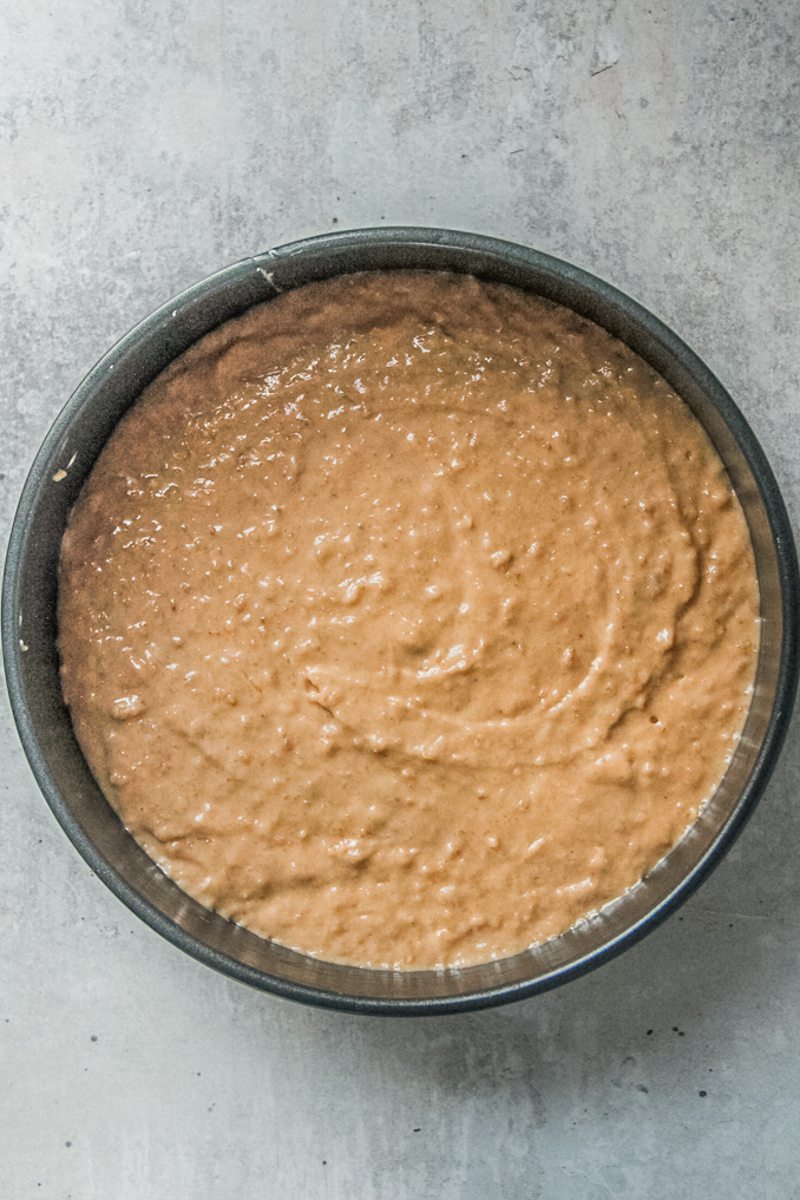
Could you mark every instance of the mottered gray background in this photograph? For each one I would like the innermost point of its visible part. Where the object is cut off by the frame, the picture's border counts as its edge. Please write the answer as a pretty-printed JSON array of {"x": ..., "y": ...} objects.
[{"x": 145, "y": 143}]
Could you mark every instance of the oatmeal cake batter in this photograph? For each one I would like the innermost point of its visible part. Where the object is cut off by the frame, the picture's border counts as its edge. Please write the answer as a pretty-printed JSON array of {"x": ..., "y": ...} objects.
[{"x": 407, "y": 619}]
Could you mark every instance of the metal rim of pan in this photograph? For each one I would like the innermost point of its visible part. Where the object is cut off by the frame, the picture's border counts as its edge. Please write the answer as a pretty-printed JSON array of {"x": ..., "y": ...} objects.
[{"x": 262, "y": 277}]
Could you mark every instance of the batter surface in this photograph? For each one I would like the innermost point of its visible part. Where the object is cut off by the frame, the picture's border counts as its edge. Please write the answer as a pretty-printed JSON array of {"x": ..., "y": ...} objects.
[{"x": 407, "y": 619}]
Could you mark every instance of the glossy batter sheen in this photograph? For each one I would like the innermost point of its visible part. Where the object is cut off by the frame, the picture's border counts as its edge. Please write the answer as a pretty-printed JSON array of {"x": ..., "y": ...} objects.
[{"x": 408, "y": 619}]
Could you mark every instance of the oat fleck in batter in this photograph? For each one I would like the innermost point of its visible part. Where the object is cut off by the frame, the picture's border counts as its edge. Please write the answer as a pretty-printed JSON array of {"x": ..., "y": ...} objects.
[{"x": 407, "y": 619}]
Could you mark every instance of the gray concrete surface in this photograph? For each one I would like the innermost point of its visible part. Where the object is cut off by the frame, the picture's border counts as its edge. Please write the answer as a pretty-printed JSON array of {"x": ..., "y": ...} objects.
[{"x": 147, "y": 142}]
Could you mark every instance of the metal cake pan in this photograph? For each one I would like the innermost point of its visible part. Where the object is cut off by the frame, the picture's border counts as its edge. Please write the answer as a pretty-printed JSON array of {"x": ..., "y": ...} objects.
[{"x": 30, "y": 646}]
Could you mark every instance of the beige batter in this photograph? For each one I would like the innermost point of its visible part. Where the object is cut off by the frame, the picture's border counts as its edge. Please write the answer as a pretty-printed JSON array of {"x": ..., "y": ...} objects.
[{"x": 408, "y": 619}]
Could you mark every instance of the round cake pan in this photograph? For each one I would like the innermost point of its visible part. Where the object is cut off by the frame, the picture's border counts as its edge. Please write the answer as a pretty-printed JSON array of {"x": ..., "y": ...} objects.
[{"x": 30, "y": 633}]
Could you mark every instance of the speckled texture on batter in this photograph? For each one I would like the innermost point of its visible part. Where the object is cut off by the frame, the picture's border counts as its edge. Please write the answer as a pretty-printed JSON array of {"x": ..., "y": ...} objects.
[{"x": 408, "y": 619}]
